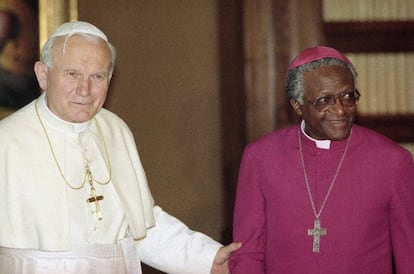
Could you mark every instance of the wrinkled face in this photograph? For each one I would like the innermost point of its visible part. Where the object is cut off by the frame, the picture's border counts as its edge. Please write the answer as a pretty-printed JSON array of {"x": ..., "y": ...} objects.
[
  {"x": 77, "y": 83},
  {"x": 335, "y": 123}
]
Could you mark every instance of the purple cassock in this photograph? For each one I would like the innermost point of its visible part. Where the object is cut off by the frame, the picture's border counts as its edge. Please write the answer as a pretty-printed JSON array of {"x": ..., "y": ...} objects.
[{"x": 367, "y": 223}]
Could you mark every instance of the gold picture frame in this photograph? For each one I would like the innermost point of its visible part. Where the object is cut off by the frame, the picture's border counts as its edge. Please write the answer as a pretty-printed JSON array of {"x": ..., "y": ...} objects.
[{"x": 53, "y": 13}]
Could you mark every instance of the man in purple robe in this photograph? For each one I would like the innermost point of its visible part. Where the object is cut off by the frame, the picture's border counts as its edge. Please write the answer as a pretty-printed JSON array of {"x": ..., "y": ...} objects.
[{"x": 326, "y": 196}]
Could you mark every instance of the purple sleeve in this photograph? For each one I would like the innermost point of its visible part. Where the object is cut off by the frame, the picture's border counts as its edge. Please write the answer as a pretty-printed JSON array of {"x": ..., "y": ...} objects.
[
  {"x": 249, "y": 218},
  {"x": 402, "y": 216}
]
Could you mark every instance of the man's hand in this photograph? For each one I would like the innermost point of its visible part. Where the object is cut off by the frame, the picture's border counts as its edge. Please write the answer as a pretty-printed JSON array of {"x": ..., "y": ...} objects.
[{"x": 220, "y": 263}]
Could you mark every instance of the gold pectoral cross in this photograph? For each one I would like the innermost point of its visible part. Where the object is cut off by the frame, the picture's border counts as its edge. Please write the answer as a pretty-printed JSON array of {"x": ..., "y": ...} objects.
[
  {"x": 94, "y": 198},
  {"x": 316, "y": 232}
]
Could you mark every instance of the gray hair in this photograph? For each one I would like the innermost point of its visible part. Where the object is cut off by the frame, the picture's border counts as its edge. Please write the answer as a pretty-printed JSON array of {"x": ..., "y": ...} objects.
[
  {"x": 294, "y": 84},
  {"x": 47, "y": 52}
]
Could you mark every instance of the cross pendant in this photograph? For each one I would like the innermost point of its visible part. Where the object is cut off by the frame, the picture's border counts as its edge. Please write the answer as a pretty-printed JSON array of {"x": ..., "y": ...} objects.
[
  {"x": 94, "y": 197},
  {"x": 316, "y": 232}
]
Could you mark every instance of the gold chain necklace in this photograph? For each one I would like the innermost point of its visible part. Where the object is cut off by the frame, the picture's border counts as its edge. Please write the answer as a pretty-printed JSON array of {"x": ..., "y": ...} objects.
[
  {"x": 88, "y": 174},
  {"x": 317, "y": 231}
]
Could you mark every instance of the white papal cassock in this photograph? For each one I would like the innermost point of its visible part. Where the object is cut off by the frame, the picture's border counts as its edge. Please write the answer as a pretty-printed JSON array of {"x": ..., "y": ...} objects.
[{"x": 47, "y": 225}]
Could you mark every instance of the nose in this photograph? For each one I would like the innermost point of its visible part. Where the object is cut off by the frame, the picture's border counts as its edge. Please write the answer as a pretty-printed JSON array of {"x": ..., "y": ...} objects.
[
  {"x": 83, "y": 86},
  {"x": 338, "y": 107}
]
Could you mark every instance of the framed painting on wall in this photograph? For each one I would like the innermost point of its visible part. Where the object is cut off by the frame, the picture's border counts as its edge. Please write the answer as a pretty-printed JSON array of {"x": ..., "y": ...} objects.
[
  {"x": 24, "y": 27},
  {"x": 19, "y": 47}
]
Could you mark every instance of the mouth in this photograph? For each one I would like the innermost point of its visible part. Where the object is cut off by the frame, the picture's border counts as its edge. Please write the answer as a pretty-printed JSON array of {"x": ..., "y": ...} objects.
[
  {"x": 338, "y": 124},
  {"x": 337, "y": 121},
  {"x": 81, "y": 103}
]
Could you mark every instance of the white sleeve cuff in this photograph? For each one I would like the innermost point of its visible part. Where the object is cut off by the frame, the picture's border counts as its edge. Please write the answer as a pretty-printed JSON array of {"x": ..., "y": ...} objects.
[{"x": 172, "y": 247}]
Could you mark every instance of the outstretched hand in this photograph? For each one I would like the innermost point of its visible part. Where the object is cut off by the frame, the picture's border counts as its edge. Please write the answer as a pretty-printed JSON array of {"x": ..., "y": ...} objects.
[{"x": 220, "y": 263}]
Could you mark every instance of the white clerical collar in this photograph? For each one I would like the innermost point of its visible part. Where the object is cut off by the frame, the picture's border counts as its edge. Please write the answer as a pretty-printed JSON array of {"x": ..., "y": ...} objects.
[
  {"x": 77, "y": 127},
  {"x": 324, "y": 144}
]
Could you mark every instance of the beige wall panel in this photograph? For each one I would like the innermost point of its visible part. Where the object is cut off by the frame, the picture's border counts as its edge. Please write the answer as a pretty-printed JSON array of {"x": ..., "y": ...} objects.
[{"x": 166, "y": 88}]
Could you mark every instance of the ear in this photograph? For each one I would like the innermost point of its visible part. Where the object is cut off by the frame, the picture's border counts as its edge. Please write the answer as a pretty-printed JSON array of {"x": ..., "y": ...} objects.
[
  {"x": 296, "y": 106},
  {"x": 41, "y": 74}
]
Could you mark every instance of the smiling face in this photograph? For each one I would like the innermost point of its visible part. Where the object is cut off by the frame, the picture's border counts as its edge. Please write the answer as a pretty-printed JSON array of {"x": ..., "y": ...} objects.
[
  {"x": 77, "y": 83},
  {"x": 336, "y": 122}
]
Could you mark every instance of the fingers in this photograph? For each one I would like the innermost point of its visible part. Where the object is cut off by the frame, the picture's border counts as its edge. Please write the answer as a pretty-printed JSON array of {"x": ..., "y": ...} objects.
[
  {"x": 224, "y": 252},
  {"x": 232, "y": 247}
]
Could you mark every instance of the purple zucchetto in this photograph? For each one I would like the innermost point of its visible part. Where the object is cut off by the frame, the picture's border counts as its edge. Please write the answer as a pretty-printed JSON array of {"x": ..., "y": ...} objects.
[{"x": 316, "y": 53}]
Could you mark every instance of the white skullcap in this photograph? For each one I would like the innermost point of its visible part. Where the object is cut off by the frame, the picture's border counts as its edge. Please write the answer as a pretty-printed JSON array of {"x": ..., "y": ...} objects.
[{"x": 74, "y": 27}]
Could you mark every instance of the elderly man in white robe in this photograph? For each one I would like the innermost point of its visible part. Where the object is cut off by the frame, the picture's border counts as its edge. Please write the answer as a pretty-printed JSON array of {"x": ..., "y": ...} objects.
[{"x": 73, "y": 194}]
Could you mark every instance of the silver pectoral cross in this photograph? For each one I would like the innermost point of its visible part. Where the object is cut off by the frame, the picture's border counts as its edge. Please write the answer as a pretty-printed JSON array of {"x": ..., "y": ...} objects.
[{"x": 316, "y": 232}]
